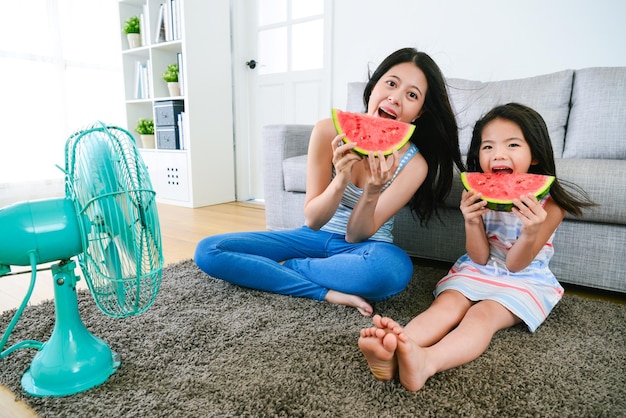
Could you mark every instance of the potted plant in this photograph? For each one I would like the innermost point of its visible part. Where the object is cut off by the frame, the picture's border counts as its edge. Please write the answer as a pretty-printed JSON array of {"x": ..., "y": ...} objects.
[
  {"x": 133, "y": 31},
  {"x": 145, "y": 128},
  {"x": 171, "y": 78}
]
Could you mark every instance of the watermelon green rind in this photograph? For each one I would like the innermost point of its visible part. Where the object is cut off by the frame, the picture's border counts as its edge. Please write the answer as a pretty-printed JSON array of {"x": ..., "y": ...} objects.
[
  {"x": 500, "y": 204},
  {"x": 397, "y": 143}
]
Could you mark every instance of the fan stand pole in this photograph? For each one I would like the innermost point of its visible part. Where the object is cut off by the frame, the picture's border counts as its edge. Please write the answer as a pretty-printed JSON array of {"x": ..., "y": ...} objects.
[{"x": 73, "y": 360}]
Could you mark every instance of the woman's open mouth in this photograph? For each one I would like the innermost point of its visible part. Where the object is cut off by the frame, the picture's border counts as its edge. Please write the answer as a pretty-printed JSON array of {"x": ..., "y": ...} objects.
[{"x": 387, "y": 113}]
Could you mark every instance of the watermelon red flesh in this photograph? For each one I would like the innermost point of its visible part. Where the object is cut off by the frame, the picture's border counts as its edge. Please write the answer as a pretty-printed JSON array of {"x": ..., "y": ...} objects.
[
  {"x": 372, "y": 134},
  {"x": 500, "y": 189}
]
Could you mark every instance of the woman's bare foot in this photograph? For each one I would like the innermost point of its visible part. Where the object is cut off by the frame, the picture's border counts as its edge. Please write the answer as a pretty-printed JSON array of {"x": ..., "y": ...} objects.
[
  {"x": 378, "y": 347},
  {"x": 412, "y": 362},
  {"x": 357, "y": 302}
]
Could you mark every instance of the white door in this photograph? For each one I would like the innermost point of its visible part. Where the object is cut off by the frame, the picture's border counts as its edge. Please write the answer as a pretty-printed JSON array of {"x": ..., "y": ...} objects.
[{"x": 281, "y": 75}]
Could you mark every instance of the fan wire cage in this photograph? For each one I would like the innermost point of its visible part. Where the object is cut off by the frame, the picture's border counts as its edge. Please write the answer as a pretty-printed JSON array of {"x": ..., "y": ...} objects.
[{"x": 116, "y": 207}]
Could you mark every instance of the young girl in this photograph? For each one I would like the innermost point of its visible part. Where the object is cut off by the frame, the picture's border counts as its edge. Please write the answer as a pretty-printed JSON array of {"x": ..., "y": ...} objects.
[
  {"x": 344, "y": 253},
  {"x": 503, "y": 279}
]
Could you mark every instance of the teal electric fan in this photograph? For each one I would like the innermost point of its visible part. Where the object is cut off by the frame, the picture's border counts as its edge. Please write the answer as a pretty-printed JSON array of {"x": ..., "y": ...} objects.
[{"x": 107, "y": 220}]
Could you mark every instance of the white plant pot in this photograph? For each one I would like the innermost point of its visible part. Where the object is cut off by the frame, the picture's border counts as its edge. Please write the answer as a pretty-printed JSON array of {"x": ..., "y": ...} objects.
[
  {"x": 134, "y": 40},
  {"x": 174, "y": 88},
  {"x": 147, "y": 141}
]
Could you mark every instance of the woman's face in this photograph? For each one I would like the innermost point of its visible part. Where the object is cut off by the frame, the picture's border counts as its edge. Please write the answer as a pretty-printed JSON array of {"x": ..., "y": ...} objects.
[
  {"x": 504, "y": 149},
  {"x": 399, "y": 94}
]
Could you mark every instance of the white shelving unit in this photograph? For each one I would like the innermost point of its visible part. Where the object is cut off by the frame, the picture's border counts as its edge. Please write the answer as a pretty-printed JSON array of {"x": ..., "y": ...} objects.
[{"x": 202, "y": 173}]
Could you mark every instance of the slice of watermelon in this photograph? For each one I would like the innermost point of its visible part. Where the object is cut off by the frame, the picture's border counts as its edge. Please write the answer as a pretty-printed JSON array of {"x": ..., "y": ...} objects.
[
  {"x": 372, "y": 133},
  {"x": 500, "y": 189}
]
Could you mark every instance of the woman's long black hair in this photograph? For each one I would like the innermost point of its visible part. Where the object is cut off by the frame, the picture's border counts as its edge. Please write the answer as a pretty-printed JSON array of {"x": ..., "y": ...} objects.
[
  {"x": 436, "y": 133},
  {"x": 537, "y": 136}
]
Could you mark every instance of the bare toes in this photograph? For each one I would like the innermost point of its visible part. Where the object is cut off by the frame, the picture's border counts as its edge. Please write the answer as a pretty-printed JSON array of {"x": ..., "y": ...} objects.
[{"x": 380, "y": 355}]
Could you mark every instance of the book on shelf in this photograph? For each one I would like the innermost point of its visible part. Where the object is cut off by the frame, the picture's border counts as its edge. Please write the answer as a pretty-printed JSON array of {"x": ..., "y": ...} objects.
[
  {"x": 160, "y": 26},
  {"x": 142, "y": 30},
  {"x": 176, "y": 13},
  {"x": 145, "y": 35},
  {"x": 168, "y": 27},
  {"x": 182, "y": 130},
  {"x": 181, "y": 77},
  {"x": 142, "y": 81},
  {"x": 168, "y": 20},
  {"x": 147, "y": 81},
  {"x": 138, "y": 92}
]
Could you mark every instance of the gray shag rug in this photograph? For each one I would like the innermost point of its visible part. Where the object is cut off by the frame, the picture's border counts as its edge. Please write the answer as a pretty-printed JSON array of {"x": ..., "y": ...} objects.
[{"x": 207, "y": 348}]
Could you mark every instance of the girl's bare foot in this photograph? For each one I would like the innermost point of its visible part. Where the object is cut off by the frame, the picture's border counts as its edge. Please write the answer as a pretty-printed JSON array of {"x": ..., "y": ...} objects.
[
  {"x": 378, "y": 347},
  {"x": 386, "y": 323},
  {"x": 357, "y": 302},
  {"x": 412, "y": 362}
]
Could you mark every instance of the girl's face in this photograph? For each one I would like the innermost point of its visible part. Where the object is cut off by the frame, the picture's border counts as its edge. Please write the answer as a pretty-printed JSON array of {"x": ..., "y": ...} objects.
[
  {"x": 399, "y": 94},
  {"x": 504, "y": 149}
]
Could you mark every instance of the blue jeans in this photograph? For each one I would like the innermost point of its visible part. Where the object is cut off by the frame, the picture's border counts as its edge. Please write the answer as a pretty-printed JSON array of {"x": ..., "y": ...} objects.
[{"x": 314, "y": 262}]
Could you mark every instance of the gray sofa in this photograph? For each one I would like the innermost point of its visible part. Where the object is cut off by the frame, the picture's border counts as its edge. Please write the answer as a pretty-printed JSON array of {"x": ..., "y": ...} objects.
[{"x": 585, "y": 111}]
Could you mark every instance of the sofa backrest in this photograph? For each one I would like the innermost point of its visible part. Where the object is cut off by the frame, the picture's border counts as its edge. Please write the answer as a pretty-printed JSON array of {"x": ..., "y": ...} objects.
[
  {"x": 548, "y": 94},
  {"x": 597, "y": 122}
]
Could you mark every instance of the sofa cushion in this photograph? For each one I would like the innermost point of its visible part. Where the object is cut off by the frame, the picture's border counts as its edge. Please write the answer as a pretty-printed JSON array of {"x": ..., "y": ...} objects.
[
  {"x": 588, "y": 174},
  {"x": 355, "y": 97},
  {"x": 606, "y": 190},
  {"x": 597, "y": 124},
  {"x": 548, "y": 94},
  {"x": 294, "y": 174}
]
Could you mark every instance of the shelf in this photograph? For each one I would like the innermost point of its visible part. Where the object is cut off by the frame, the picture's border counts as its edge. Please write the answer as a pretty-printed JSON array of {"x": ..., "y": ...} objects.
[{"x": 183, "y": 177}]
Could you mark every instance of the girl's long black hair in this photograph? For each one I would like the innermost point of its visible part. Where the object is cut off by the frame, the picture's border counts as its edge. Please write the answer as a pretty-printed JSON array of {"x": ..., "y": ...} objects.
[
  {"x": 436, "y": 133},
  {"x": 537, "y": 136}
]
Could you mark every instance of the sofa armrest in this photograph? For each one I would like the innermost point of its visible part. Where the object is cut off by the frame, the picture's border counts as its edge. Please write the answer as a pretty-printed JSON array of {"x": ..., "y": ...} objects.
[{"x": 282, "y": 211}]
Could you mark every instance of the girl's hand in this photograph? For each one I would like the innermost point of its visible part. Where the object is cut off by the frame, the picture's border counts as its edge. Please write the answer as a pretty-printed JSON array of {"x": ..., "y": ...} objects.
[
  {"x": 528, "y": 209},
  {"x": 343, "y": 158},
  {"x": 472, "y": 207},
  {"x": 381, "y": 170}
]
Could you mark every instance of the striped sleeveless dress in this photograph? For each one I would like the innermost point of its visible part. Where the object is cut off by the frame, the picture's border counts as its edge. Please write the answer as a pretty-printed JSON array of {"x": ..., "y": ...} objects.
[{"x": 530, "y": 294}]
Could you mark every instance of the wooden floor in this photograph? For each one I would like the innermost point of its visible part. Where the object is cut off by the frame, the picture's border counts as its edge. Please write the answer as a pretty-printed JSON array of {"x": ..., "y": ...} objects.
[{"x": 181, "y": 229}]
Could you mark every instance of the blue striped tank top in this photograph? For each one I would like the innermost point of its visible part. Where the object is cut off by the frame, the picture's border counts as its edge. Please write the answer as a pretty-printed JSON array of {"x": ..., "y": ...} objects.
[{"x": 338, "y": 224}]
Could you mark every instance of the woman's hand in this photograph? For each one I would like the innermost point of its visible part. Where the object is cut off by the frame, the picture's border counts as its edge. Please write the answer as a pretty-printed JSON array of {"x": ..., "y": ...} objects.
[
  {"x": 381, "y": 169},
  {"x": 472, "y": 207},
  {"x": 374, "y": 207},
  {"x": 343, "y": 158}
]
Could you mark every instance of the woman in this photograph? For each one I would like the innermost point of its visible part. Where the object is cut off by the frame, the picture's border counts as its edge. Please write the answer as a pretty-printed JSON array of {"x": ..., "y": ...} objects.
[{"x": 344, "y": 254}]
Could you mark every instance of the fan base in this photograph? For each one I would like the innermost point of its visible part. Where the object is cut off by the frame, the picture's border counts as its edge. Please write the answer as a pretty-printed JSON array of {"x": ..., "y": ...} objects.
[
  {"x": 73, "y": 360},
  {"x": 58, "y": 383}
]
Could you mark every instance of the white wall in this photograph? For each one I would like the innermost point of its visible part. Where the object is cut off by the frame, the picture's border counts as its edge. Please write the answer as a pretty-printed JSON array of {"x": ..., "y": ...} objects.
[{"x": 478, "y": 39}]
